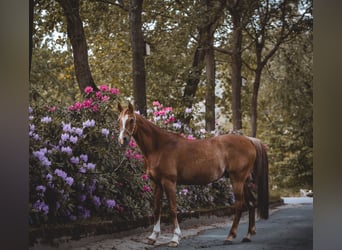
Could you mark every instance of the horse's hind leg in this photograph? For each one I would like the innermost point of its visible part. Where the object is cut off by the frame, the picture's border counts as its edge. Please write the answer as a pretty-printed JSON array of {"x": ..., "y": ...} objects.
[
  {"x": 157, "y": 200},
  {"x": 251, "y": 203},
  {"x": 239, "y": 202}
]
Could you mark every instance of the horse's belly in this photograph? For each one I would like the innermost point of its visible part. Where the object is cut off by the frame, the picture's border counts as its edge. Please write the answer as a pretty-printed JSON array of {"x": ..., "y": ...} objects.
[{"x": 201, "y": 174}]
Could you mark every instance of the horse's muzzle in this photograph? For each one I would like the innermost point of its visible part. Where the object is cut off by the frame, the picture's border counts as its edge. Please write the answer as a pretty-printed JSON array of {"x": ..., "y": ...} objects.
[{"x": 123, "y": 142}]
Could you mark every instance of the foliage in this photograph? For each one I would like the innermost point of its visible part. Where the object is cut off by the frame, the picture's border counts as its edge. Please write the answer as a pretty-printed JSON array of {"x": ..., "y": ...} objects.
[{"x": 287, "y": 116}]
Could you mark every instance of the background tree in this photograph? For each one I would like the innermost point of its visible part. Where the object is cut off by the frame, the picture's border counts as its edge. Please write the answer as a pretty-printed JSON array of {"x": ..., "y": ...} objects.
[
  {"x": 273, "y": 24},
  {"x": 138, "y": 55},
  {"x": 79, "y": 44}
]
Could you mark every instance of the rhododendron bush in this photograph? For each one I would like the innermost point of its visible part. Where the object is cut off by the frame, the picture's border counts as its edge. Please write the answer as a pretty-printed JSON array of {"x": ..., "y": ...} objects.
[{"x": 78, "y": 170}]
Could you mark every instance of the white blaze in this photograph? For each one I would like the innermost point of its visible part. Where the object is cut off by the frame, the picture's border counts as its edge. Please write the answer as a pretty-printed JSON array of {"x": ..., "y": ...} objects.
[{"x": 123, "y": 120}]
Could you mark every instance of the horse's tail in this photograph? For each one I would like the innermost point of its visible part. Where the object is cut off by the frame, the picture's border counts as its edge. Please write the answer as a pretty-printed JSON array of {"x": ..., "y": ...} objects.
[{"x": 261, "y": 177}]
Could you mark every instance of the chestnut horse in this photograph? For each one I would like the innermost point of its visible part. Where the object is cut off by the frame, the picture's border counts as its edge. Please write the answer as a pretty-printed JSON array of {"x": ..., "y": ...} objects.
[{"x": 171, "y": 159}]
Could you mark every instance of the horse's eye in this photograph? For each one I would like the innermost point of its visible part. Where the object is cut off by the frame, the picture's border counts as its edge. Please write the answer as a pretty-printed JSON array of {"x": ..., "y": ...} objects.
[{"x": 131, "y": 120}]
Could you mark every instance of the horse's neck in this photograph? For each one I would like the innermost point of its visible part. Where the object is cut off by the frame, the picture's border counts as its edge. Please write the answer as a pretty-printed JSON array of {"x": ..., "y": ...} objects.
[{"x": 148, "y": 136}]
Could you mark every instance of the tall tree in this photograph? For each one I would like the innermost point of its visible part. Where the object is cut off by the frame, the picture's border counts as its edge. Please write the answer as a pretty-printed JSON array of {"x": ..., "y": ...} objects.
[
  {"x": 273, "y": 24},
  {"x": 207, "y": 16},
  {"x": 213, "y": 14},
  {"x": 138, "y": 54},
  {"x": 78, "y": 42},
  {"x": 235, "y": 10}
]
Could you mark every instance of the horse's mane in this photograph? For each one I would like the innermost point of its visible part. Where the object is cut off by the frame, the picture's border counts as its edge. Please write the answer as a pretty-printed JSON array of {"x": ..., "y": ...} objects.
[{"x": 151, "y": 126}]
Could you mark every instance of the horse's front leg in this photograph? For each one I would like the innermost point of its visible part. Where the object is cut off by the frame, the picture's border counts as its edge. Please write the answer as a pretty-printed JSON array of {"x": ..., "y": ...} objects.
[
  {"x": 170, "y": 190},
  {"x": 157, "y": 200}
]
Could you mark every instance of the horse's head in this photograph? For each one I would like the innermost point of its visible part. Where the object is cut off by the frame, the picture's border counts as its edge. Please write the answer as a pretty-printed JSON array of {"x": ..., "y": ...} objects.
[{"x": 127, "y": 124}]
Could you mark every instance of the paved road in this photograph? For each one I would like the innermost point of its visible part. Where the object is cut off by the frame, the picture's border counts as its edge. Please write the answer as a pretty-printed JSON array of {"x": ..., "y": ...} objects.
[{"x": 289, "y": 228}]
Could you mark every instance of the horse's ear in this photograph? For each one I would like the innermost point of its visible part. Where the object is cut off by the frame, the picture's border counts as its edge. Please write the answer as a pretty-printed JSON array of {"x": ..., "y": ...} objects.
[
  {"x": 120, "y": 107},
  {"x": 130, "y": 107}
]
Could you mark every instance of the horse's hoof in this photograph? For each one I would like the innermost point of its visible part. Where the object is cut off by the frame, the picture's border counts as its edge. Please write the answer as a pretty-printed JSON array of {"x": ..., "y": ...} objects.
[
  {"x": 173, "y": 244},
  {"x": 228, "y": 242},
  {"x": 246, "y": 239},
  {"x": 150, "y": 241}
]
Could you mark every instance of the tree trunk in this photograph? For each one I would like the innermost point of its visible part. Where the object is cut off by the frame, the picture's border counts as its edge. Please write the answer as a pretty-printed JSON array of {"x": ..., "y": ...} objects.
[
  {"x": 138, "y": 54},
  {"x": 193, "y": 80},
  {"x": 236, "y": 66},
  {"x": 79, "y": 44},
  {"x": 254, "y": 105},
  {"x": 210, "y": 88},
  {"x": 204, "y": 56}
]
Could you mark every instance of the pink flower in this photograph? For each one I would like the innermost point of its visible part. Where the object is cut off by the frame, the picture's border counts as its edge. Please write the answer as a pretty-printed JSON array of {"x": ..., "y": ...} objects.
[
  {"x": 155, "y": 103},
  {"x": 138, "y": 156},
  {"x": 104, "y": 88},
  {"x": 52, "y": 109},
  {"x": 87, "y": 103},
  {"x": 132, "y": 143},
  {"x": 95, "y": 108},
  {"x": 146, "y": 188},
  {"x": 78, "y": 105},
  {"x": 98, "y": 95},
  {"x": 105, "y": 98},
  {"x": 172, "y": 119},
  {"x": 114, "y": 91},
  {"x": 168, "y": 109},
  {"x": 88, "y": 90},
  {"x": 145, "y": 177},
  {"x": 128, "y": 153}
]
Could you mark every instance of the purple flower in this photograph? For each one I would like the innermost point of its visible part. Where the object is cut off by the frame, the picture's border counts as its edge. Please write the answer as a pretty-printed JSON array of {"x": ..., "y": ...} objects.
[
  {"x": 67, "y": 150},
  {"x": 32, "y": 127},
  {"x": 73, "y": 139},
  {"x": 69, "y": 180},
  {"x": 184, "y": 191},
  {"x": 105, "y": 132},
  {"x": 48, "y": 177},
  {"x": 30, "y": 110},
  {"x": 89, "y": 166},
  {"x": 89, "y": 123},
  {"x": 41, "y": 188},
  {"x": 84, "y": 157},
  {"x": 41, "y": 156},
  {"x": 188, "y": 110},
  {"x": 66, "y": 127},
  {"x": 78, "y": 131},
  {"x": 74, "y": 160},
  {"x": 61, "y": 173},
  {"x": 36, "y": 137},
  {"x": 82, "y": 197},
  {"x": 41, "y": 206},
  {"x": 96, "y": 201},
  {"x": 110, "y": 203},
  {"x": 83, "y": 170},
  {"x": 46, "y": 119},
  {"x": 65, "y": 137}
]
